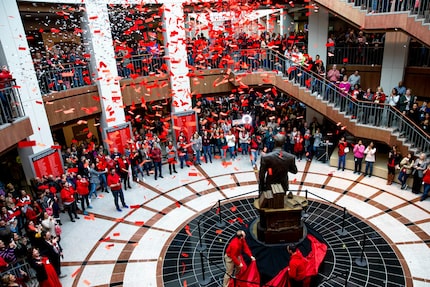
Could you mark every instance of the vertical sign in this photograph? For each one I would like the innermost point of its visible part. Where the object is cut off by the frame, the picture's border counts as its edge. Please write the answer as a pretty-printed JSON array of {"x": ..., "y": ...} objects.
[
  {"x": 118, "y": 137},
  {"x": 47, "y": 162},
  {"x": 184, "y": 122}
]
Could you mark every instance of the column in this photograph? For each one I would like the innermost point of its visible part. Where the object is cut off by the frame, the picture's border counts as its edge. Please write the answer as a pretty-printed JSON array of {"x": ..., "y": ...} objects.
[
  {"x": 395, "y": 59},
  {"x": 99, "y": 44},
  {"x": 17, "y": 57},
  {"x": 318, "y": 33},
  {"x": 176, "y": 55}
]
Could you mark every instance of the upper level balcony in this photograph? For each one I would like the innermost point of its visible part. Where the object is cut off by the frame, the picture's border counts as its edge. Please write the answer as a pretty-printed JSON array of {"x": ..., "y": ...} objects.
[
  {"x": 410, "y": 16},
  {"x": 14, "y": 125}
]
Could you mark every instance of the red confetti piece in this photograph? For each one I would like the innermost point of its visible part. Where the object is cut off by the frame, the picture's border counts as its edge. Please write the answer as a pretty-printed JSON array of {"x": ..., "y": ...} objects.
[
  {"x": 75, "y": 272},
  {"x": 116, "y": 234},
  {"x": 178, "y": 205},
  {"x": 140, "y": 223},
  {"x": 22, "y": 48},
  {"x": 135, "y": 206},
  {"x": 39, "y": 102},
  {"x": 218, "y": 231},
  {"x": 233, "y": 208},
  {"x": 192, "y": 174},
  {"x": 105, "y": 239},
  {"x": 23, "y": 144},
  {"x": 183, "y": 254}
]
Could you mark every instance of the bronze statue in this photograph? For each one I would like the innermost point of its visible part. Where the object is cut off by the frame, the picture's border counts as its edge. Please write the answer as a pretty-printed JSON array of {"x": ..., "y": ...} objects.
[{"x": 274, "y": 166}]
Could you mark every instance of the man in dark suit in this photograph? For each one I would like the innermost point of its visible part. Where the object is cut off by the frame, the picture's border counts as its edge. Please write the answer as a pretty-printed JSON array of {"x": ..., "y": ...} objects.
[{"x": 274, "y": 166}]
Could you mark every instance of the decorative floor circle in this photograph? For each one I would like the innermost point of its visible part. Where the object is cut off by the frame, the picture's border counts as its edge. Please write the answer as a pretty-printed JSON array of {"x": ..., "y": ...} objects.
[{"x": 191, "y": 262}]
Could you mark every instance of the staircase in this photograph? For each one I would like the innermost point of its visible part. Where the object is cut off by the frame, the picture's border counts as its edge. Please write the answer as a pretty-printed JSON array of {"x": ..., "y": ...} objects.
[
  {"x": 378, "y": 122},
  {"x": 414, "y": 22}
]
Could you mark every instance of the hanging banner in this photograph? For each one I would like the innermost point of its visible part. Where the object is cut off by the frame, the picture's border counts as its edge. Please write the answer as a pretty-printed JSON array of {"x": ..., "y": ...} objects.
[
  {"x": 47, "y": 162},
  {"x": 185, "y": 122},
  {"x": 118, "y": 137}
]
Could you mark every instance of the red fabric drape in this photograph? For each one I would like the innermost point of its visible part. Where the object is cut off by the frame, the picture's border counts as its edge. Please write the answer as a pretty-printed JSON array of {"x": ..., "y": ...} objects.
[
  {"x": 247, "y": 277},
  {"x": 314, "y": 258}
]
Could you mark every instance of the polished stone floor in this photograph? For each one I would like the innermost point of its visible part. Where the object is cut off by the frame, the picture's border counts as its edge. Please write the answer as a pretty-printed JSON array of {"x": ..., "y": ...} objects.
[{"x": 130, "y": 248}]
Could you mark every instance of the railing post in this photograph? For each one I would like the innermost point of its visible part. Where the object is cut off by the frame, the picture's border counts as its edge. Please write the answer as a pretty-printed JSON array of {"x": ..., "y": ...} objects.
[
  {"x": 305, "y": 211},
  {"x": 201, "y": 247},
  {"x": 361, "y": 261},
  {"x": 342, "y": 231},
  {"x": 220, "y": 223},
  {"x": 204, "y": 281}
]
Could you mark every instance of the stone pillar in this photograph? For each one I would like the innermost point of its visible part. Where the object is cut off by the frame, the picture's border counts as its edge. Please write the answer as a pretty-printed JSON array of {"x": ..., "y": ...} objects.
[
  {"x": 176, "y": 55},
  {"x": 16, "y": 55},
  {"x": 99, "y": 44},
  {"x": 395, "y": 59},
  {"x": 318, "y": 33}
]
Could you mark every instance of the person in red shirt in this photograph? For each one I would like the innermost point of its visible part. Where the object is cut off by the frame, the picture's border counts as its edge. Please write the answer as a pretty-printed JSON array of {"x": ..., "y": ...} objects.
[
  {"x": 83, "y": 191},
  {"x": 114, "y": 182},
  {"x": 5, "y": 78},
  {"x": 426, "y": 181},
  {"x": 68, "y": 198},
  {"x": 156, "y": 159},
  {"x": 341, "y": 152},
  {"x": 233, "y": 256},
  {"x": 297, "y": 267}
]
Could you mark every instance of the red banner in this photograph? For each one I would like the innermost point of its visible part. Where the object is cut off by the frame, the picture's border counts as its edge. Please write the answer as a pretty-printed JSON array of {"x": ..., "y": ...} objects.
[
  {"x": 47, "y": 162},
  {"x": 118, "y": 137},
  {"x": 185, "y": 122}
]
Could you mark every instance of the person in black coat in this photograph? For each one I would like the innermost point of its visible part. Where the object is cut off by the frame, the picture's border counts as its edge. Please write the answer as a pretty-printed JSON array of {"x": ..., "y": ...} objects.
[
  {"x": 50, "y": 248},
  {"x": 274, "y": 166}
]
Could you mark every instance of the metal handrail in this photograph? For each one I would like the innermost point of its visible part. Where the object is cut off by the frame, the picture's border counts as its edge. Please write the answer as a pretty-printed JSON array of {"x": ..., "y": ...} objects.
[
  {"x": 62, "y": 78},
  {"x": 10, "y": 103},
  {"x": 363, "y": 112},
  {"x": 386, "y": 6},
  {"x": 367, "y": 55}
]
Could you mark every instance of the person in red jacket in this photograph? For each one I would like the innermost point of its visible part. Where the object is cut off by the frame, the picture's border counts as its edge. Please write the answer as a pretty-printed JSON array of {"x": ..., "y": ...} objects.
[
  {"x": 83, "y": 191},
  {"x": 68, "y": 198},
  {"x": 233, "y": 256},
  {"x": 426, "y": 181},
  {"x": 156, "y": 159},
  {"x": 114, "y": 182},
  {"x": 5, "y": 78},
  {"x": 297, "y": 267}
]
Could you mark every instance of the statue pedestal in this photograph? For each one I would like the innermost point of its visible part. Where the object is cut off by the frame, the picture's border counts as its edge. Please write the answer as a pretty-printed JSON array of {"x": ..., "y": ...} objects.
[{"x": 281, "y": 225}]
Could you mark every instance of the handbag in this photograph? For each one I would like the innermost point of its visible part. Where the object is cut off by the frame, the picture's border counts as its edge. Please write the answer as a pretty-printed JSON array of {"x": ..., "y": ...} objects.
[{"x": 346, "y": 150}]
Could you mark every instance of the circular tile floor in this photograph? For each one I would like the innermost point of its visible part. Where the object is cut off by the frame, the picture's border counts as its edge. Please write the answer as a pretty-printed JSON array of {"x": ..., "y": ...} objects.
[
  {"x": 184, "y": 264},
  {"x": 112, "y": 248}
]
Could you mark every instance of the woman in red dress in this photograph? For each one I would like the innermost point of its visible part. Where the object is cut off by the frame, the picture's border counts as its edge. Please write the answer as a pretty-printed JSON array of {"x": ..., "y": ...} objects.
[{"x": 45, "y": 272}]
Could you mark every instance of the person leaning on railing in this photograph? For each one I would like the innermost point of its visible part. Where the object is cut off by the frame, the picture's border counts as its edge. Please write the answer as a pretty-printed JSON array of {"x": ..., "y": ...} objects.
[{"x": 5, "y": 83}]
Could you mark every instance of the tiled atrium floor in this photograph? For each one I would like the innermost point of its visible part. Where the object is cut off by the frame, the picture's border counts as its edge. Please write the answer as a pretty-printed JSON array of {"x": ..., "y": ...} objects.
[{"x": 128, "y": 248}]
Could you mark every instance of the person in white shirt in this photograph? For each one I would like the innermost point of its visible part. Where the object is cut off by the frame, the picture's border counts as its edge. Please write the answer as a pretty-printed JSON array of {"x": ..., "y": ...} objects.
[
  {"x": 370, "y": 152},
  {"x": 231, "y": 144}
]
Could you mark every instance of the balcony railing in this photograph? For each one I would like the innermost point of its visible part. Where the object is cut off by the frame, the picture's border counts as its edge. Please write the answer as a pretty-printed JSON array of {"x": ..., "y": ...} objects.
[
  {"x": 419, "y": 7},
  {"x": 419, "y": 56},
  {"x": 60, "y": 79},
  {"x": 141, "y": 65},
  {"x": 10, "y": 104},
  {"x": 366, "y": 55}
]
